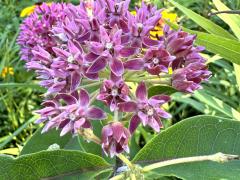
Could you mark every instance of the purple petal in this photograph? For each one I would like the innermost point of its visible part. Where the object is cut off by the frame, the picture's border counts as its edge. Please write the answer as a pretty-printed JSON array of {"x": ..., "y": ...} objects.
[
  {"x": 98, "y": 65},
  {"x": 106, "y": 132},
  {"x": 67, "y": 128},
  {"x": 60, "y": 52},
  {"x": 163, "y": 113},
  {"x": 141, "y": 92},
  {"x": 95, "y": 113},
  {"x": 143, "y": 117},
  {"x": 117, "y": 67},
  {"x": 134, "y": 122},
  {"x": 158, "y": 100},
  {"x": 75, "y": 80},
  {"x": 117, "y": 37},
  {"x": 128, "y": 51},
  {"x": 96, "y": 48},
  {"x": 104, "y": 35},
  {"x": 134, "y": 64},
  {"x": 91, "y": 57},
  {"x": 67, "y": 98},
  {"x": 78, "y": 124},
  {"x": 84, "y": 98},
  {"x": 127, "y": 106},
  {"x": 153, "y": 123},
  {"x": 150, "y": 42}
]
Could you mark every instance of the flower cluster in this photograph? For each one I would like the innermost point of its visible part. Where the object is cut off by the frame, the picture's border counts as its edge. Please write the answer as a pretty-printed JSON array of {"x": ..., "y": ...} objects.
[{"x": 73, "y": 48}]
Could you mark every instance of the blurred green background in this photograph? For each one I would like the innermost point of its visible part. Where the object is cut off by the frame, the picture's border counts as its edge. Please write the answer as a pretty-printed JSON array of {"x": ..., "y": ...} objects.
[{"x": 20, "y": 95}]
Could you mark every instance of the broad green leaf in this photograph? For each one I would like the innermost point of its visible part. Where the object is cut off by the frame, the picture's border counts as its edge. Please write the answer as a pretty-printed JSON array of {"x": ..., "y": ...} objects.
[
  {"x": 199, "y": 135},
  {"x": 39, "y": 141},
  {"x": 203, "y": 22},
  {"x": 51, "y": 164},
  {"x": 226, "y": 48},
  {"x": 217, "y": 104},
  {"x": 155, "y": 90}
]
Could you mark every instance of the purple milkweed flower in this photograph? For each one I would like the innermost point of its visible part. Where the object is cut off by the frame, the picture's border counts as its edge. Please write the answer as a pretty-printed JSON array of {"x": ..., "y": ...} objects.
[
  {"x": 188, "y": 79},
  {"x": 157, "y": 61},
  {"x": 36, "y": 29},
  {"x": 74, "y": 115},
  {"x": 115, "y": 139},
  {"x": 109, "y": 50},
  {"x": 154, "y": 61},
  {"x": 141, "y": 24},
  {"x": 114, "y": 91},
  {"x": 146, "y": 110},
  {"x": 116, "y": 13}
]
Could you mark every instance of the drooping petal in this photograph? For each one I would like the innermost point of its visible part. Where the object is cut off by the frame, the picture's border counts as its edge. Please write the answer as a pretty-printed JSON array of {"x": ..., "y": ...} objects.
[
  {"x": 141, "y": 92},
  {"x": 154, "y": 124},
  {"x": 143, "y": 117},
  {"x": 67, "y": 128},
  {"x": 134, "y": 122},
  {"x": 78, "y": 124}
]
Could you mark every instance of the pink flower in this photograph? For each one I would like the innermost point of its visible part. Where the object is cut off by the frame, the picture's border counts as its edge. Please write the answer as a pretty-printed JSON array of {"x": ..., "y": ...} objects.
[
  {"x": 113, "y": 92},
  {"x": 146, "y": 110},
  {"x": 115, "y": 139},
  {"x": 74, "y": 115}
]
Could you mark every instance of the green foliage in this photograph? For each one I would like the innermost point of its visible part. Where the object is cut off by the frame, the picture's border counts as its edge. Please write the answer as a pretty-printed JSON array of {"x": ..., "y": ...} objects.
[
  {"x": 200, "y": 135},
  {"x": 52, "y": 164},
  {"x": 155, "y": 90},
  {"x": 40, "y": 142}
]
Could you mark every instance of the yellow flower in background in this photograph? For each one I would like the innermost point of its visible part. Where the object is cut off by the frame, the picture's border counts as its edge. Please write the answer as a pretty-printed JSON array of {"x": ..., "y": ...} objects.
[
  {"x": 29, "y": 10},
  {"x": 158, "y": 30},
  {"x": 6, "y": 71}
]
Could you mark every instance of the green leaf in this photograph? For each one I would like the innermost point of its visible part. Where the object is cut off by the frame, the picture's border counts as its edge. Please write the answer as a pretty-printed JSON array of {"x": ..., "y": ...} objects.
[
  {"x": 199, "y": 135},
  {"x": 18, "y": 131},
  {"x": 233, "y": 21},
  {"x": 51, "y": 164},
  {"x": 155, "y": 90},
  {"x": 217, "y": 104},
  {"x": 39, "y": 141},
  {"x": 203, "y": 22},
  {"x": 226, "y": 48}
]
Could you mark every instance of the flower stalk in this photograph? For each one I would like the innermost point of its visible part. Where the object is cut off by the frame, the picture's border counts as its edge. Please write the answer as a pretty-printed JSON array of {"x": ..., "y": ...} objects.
[{"x": 218, "y": 157}]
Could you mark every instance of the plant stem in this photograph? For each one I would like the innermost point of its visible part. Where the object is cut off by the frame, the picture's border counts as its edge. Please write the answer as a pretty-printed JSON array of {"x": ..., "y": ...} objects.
[
  {"x": 163, "y": 82},
  {"x": 125, "y": 160},
  {"x": 118, "y": 177},
  {"x": 218, "y": 157},
  {"x": 115, "y": 118},
  {"x": 89, "y": 135},
  {"x": 90, "y": 85},
  {"x": 93, "y": 96}
]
